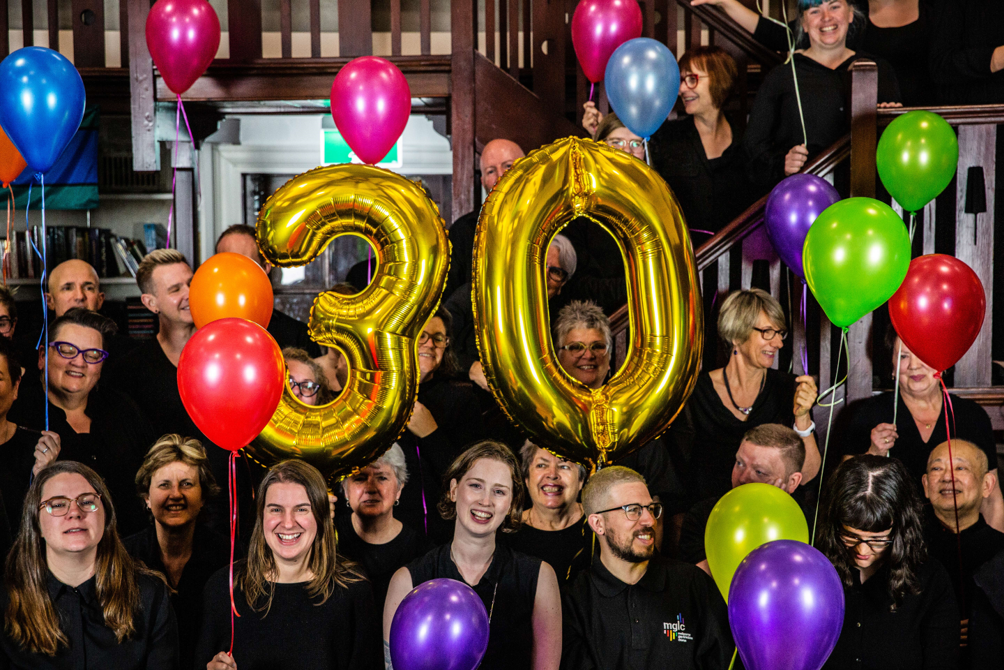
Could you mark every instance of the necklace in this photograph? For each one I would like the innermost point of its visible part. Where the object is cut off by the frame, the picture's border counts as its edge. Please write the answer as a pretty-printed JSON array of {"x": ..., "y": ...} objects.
[
  {"x": 495, "y": 591},
  {"x": 745, "y": 410}
]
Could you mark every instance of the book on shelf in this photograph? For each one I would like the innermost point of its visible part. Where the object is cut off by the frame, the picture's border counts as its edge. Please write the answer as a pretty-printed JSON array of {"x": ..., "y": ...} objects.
[
  {"x": 110, "y": 255},
  {"x": 154, "y": 236}
]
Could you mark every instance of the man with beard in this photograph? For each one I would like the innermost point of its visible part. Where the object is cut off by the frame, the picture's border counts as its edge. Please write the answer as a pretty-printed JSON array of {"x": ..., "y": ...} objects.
[{"x": 634, "y": 609}]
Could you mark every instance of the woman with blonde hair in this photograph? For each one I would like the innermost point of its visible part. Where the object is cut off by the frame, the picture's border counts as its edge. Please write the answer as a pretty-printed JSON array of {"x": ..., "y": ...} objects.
[
  {"x": 299, "y": 604},
  {"x": 73, "y": 597}
]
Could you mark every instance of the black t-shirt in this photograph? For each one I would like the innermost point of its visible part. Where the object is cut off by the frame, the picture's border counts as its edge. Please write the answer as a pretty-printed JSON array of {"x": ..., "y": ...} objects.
[
  {"x": 568, "y": 550},
  {"x": 922, "y": 633},
  {"x": 380, "y": 561},
  {"x": 979, "y": 543},
  {"x": 673, "y": 618},
  {"x": 508, "y": 590},
  {"x": 962, "y": 46},
  {"x": 210, "y": 552},
  {"x": 599, "y": 267},
  {"x": 986, "y": 623},
  {"x": 288, "y": 332},
  {"x": 18, "y": 455},
  {"x": 297, "y": 632},
  {"x": 852, "y": 431},
  {"x": 461, "y": 234}
]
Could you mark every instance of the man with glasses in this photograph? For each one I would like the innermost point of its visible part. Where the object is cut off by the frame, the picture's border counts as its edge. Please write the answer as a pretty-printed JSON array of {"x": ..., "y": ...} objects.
[{"x": 633, "y": 609}]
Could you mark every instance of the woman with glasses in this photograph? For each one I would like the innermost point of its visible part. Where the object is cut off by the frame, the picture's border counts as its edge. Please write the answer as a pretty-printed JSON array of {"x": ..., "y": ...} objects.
[
  {"x": 899, "y": 606},
  {"x": 73, "y": 597},
  {"x": 306, "y": 379},
  {"x": 446, "y": 418},
  {"x": 746, "y": 393},
  {"x": 97, "y": 425},
  {"x": 8, "y": 312},
  {"x": 483, "y": 495}
]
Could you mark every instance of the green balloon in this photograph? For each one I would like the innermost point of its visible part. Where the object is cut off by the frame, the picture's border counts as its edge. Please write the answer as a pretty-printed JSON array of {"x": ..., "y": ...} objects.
[
  {"x": 856, "y": 255},
  {"x": 916, "y": 158}
]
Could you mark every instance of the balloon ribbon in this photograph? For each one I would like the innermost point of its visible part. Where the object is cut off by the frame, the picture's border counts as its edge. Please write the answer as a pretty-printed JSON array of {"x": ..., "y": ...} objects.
[
  {"x": 829, "y": 426},
  {"x": 232, "y": 486},
  {"x": 790, "y": 59},
  {"x": 592, "y": 89},
  {"x": 43, "y": 337},
  {"x": 951, "y": 471},
  {"x": 7, "y": 243},
  {"x": 733, "y": 662},
  {"x": 421, "y": 481},
  {"x": 895, "y": 399},
  {"x": 179, "y": 114}
]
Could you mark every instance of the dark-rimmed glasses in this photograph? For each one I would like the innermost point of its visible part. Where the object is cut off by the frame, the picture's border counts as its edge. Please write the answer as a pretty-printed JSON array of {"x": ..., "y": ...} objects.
[
  {"x": 308, "y": 389},
  {"x": 876, "y": 545},
  {"x": 70, "y": 351},
  {"x": 60, "y": 505},
  {"x": 557, "y": 274},
  {"x": 6, "y": 323},
  {"x": 691, "y": 80},
  {"x": 578, "y": 349},
  {"x": 769, "y": 333},
  {"x": 633, "y": 511},
  {"x": 439, "y": 340}
]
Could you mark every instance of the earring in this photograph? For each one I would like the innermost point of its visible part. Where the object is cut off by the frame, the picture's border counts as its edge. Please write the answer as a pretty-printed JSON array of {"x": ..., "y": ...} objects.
[
  {"x": 347, "y": 502},
  {"x": 735, "y": 352},
  {"x": 397, "y": 502}
]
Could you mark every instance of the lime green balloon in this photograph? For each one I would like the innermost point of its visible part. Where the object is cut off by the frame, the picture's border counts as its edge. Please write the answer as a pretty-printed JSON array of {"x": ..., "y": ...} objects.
[
  {"x": 856, "y": 255},
  {"x": 916, "y": 158},
  {"x": 745, "y": 518}
]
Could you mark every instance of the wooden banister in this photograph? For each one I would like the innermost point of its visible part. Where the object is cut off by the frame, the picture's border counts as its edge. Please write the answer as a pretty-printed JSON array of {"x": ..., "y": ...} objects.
[{"x": 716, "y": 19}]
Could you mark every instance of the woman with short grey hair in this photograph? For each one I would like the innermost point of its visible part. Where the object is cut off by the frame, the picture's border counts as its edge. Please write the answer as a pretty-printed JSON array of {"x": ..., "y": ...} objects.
[{"x": 371, "y": 535}]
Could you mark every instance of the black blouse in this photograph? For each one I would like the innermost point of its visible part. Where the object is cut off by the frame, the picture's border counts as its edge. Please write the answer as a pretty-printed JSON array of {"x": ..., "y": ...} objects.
[
  {"x": 15, "y": 477},
  {"x": 568, "y": 550},
  {"x": 92, "y": 645},
  {"x": 968, "y": 32},
  {"x": 921, "y": 634},
  {"x": 508, "y": 590}
]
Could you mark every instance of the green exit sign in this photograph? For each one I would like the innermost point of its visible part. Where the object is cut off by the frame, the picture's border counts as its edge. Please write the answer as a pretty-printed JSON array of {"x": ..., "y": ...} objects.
[{"x": 334, "y": 149}]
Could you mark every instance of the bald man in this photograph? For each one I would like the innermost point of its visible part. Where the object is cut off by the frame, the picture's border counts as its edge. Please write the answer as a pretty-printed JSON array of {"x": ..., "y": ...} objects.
[
  {"x": 74, "y": 283},
  {"x": 973, "y": 483}
]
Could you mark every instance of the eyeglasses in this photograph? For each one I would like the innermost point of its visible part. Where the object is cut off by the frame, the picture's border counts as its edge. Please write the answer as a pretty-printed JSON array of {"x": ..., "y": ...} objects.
[
  {"x": 6, "y": 323},
  {"x": 60, "y": 506},
  {"x": 876, "y": 545},
  {"x": 691, "y": 80},
  {"x": 578, "y": 349},
  {"x": 70, "y": 351},
  {"x": 618, "y": 143},
  {"x": 556, "y": 273},
  {"x": 308, "y": 389},
  {"x": 439, "y": 340},
  {"x": 633, "y": 511},
  {"x": 769, "y": 333}
]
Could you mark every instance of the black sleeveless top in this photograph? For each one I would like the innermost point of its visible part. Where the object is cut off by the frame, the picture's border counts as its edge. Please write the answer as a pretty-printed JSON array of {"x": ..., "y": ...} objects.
[{"x": 510, "y": 638}]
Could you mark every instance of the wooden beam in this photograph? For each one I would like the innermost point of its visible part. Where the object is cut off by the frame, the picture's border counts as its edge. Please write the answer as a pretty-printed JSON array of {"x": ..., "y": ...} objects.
[
  {"x": 549, "y": 69},
  {"x": 464, "y": 21},
  {"x": 244, "y": 17},
  {"x": 503, "y": 27},
  {"x": 355, "y": 30},
  {"x": 88, "y": 39},
  {"x": 53, "y": 9},
  {"x": 28, "y": 23},
  {"x": 124, "y": 33},
  {"x": 315, "y": 28},
  {"x": 514, "y": 38},
  {"x": 145, "y": 157},
  {"x": 395, "y": 27},
  {"x": 4, "y": 27},
  {"x": 286, "y": 28},
  {"x": 425, "y": 27}
]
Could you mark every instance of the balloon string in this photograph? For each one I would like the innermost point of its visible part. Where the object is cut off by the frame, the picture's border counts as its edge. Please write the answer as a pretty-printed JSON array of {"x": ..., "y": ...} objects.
[
  {"x": 805, "y": 327},
  {"x": 913, "y": 225},
  {"x": 369, "y": 264},
  {"x": 421, "y": 480},
  {"x": 895, "y": 397},
  {"x": 232, "y": 486},
  {"x": 44, "y": 335},
  {"x": 7, "y": 245},
  {"x": 648, "y": 158},
  {"x": 829, "y": 427},
  {"x": 951, "y": 470},
  {"x": 790, "y": 59},
  {"x": 174, "y": 170},
  {"x": 733, "y": 662},
  {"x": 592, "y": 89}
]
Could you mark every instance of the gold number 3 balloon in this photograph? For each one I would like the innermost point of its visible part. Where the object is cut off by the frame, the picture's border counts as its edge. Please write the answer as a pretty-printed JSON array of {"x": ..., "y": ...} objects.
[
  {"x": 377, "y": 329},
  {"x": 532, "y": 202}
]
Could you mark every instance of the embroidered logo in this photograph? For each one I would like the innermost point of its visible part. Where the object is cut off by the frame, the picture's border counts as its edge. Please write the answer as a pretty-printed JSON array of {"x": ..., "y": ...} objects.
[{"x": 676, "y": 632}]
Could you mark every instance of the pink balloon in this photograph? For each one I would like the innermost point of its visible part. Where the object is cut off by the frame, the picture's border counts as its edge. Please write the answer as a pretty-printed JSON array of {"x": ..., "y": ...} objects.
[
  {"x": 598, "y": 28},
  {"x": 370, "y": 103},
  {"x": 183, "y": 37}
]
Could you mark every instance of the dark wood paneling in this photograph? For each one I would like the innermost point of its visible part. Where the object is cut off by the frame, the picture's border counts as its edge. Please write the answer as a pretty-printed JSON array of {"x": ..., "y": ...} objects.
[
  {"x": 28, "y": 23},
  {"x": 648, "y": 18},
  {"x": 141, "y": 86},
  {"x": 527, "y": 28},
  {"x": 53, "y": 9},
  {"x": 355, "y": 30},
  {"x": 549, "y": 69},
  {"x": 425, "y": 27},
  {"x": 464, "y": 20},
  {"x": 315, "y": 28},
  {"x": 124, "y": 32},
  {"x": 503, "y": 28},
  {"x": 286, "y": 28},
  {"x": 514, "y": 38},
  {"x": 244, "y": 17},
  {"x": 4, "y": 27},
  {"x": 395, "y": 27},
  {"x": 864, "y": 99},
  {"x": 88, "y": 40},
  {"x": 668, "y": 32},
  {"x": 715, "y": 18},
  {"x": 184, "y": 215}
]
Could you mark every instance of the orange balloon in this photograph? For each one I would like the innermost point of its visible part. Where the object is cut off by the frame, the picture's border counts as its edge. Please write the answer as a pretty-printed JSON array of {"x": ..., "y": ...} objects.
[
  {"x": 11, "y": 162},
  {"x": 230, "y": 285}
]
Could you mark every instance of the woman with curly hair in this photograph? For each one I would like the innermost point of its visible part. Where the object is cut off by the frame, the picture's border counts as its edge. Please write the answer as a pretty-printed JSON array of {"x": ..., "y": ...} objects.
[
  {"x": 72, "y": 597},
  {"x": 484, "y": 492},
  {"x": 299, "y": 604},
  {"x": 900, "y": 610}
]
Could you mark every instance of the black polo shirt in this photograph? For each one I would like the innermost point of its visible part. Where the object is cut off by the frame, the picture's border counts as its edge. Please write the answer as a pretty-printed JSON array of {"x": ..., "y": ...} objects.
[
  {"x": 979, "y": 543},
  {"x": 673, "y": 617},
  {"x": 92, "y": 644}
]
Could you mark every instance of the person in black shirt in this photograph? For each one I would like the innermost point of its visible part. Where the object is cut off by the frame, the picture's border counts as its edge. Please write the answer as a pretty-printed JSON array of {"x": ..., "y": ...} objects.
[
  {"x": 173, "y": 481},
  {"x": 554, "y": 529},
  {"x": 73, "y": 598},
  {"x": 986, "y": 624},
  {"x": 960, "y": 489},
  {"x": 967, "y": 51},
  {"x": 769, "y": 454},
  {"x": 520, "y": 593},
  {"x": 301, "y": 605},
  {"x": 8, "y": 312},
  {"x": 747, "y": 392},
  {"x": 97, "y": 424},
  {"x": 371, "y": 536},
  {"x": 633, "y": 609},
  {"x": 866, "y": 426},
  {"x": 899, "y": 608}
]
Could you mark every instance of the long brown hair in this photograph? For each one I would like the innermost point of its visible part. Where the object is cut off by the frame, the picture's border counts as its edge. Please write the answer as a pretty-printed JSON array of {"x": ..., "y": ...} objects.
[
  {"x": 328, "y": 569},
  {"x": 31, "y": 619}
]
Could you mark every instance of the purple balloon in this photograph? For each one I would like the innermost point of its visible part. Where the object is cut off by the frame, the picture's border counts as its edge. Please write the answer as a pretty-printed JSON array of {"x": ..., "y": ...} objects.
[
  {"x": 786, "y": 607},
  {"x": 441, "y": 625},
  {"x": 791, "y": 208}
]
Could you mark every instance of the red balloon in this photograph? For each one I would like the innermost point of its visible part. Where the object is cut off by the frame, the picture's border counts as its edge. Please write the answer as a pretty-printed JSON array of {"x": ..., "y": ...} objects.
[
  {"x": 230, "y": 378},
  {"x": 370, "y": 103},
  {"x": 598, "y": 28},
  {"x": 183, "y": 37},
  {"x": 938, "y": 310}
]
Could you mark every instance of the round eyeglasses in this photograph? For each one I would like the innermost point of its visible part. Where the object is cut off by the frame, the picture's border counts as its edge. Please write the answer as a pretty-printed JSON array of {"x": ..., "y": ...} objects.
[
  {"x": 60, "y": 505},
  {"x": 438, "y": 340}
]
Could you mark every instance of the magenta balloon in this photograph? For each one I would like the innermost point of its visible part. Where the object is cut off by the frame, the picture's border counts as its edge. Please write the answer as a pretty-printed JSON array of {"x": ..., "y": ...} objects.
[
  {"x": 792, "y": 207},
  {"x": 370, "y": 103},
  {"x": 183, "y": 37},
  {"x": 786, "y": 607},
  {"x": 598, "y": 28},
  {"x": 441, "y": 625}
]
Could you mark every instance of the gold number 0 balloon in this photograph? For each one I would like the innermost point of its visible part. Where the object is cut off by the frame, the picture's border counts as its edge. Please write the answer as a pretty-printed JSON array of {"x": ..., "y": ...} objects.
[
  {"x": 537, "y": 197},
  {"x": 377, "y": 329}
]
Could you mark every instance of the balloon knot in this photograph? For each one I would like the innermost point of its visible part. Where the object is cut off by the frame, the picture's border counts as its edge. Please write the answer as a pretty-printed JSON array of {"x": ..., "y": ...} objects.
[{"x": 38, "y": 177}]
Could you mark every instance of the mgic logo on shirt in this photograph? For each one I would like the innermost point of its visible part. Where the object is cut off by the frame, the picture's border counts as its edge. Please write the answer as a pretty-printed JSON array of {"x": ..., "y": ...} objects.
[{"x": 676, "y": 632}]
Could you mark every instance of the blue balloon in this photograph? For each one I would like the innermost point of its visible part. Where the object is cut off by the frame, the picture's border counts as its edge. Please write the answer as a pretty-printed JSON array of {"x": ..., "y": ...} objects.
[
  {"x": 642, "y": 81},
  {"x": 41, "y": 104}
]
